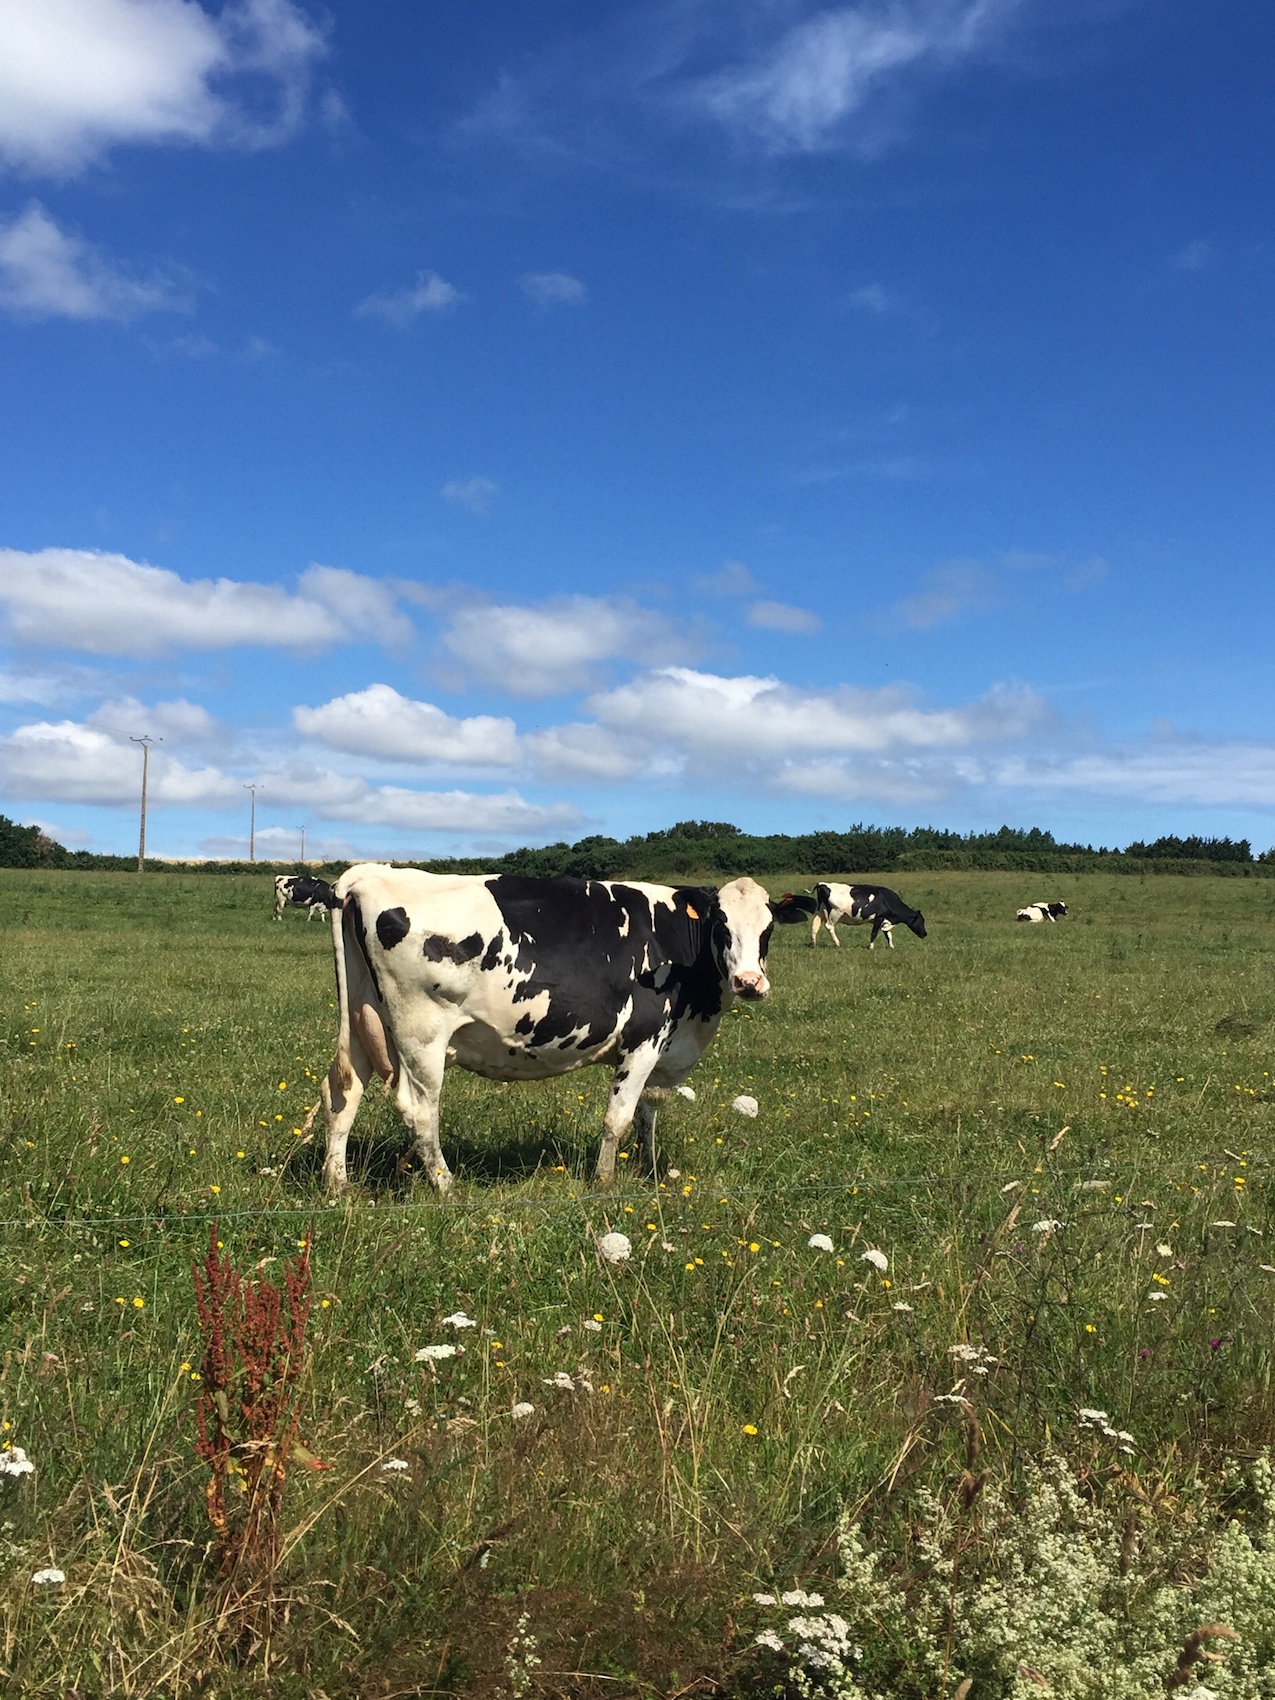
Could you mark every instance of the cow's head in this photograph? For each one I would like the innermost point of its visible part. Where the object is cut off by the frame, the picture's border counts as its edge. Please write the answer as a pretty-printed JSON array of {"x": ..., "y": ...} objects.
[
  {"x": 917, "y": 923},
  {"x": 282, "y": 892},
  {"x": 743, "y": 919},
  {"x": 1057, "y": 909}
]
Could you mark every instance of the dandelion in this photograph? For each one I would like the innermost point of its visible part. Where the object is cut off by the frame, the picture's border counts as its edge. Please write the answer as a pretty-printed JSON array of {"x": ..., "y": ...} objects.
[
  {"x": 749, "y": 1428},
  {"x": 687, "y": 1092},
  {"x": 44, "y": 1578},
  {"x": 139, "y": 1303},
  {"x": 14, "y": 1462},
  {"x": 522, "y": 1409},
  {"x": 458, "y": 1319},
  {"x": 125, "y": 1244},
  {"x": 395, "y": 1464},
  {"x": 615, "y": 1248},
  {"x": 179, "y": 1100},
  {"x": 820, "y": 1242},
  {"x": 744, "y": 1105},
  {"x": 126, "y": 1159},
  {"x": 431, "y": 1354},
  {"x": 877, "y": 1259}
]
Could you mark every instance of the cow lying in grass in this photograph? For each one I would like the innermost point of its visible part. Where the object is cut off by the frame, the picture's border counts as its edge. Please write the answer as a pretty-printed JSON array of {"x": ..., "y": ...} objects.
[
  {"x": 1037, "y": 912},
  {"x": 520, "y": 979},
  {"x": 860, "y": 906},
  {"x": 304, "y": 891}
]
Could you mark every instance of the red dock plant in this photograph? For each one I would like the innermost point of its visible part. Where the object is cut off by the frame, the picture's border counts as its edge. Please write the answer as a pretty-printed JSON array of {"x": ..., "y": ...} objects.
[{"x": 248, "y": 1410}]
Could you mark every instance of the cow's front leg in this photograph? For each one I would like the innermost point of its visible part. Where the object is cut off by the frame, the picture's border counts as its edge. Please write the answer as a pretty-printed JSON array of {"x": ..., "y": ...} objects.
[
  {"x": 816, "y": 921},
  {"x": 644, "y": 1121},
  {"x": 832, "y": 934},
  {"x": 626, "y": 1094}
]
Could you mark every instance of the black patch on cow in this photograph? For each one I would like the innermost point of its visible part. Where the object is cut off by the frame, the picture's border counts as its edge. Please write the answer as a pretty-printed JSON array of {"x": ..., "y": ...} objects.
[
  {"x": 438, "y": 949},
  {"x": 392, "y": 927},
  {"x": 304, "y": 891},
  {"x": 491, "y": 956},
  {"x": 590, "y": 948}
]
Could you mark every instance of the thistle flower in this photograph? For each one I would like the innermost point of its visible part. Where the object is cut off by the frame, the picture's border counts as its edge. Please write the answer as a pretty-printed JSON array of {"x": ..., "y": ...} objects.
[
  {"x": 744, "y": 1105},
  {"x": 879, "y": 1261},
  {"x": 820, "y": 1242}
]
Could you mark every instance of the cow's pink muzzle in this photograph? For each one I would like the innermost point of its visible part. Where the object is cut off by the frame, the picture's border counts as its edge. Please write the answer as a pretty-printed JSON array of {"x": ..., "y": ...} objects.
[{"x": 749, "y": 985}]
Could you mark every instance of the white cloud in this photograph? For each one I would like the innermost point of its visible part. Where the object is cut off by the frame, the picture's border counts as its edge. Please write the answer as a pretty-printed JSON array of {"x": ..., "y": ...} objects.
[
  {"x": 178, "y": 723},
  {"x": 1171, "y": 770},
  {"x": 554, "y": 289},
  {"x": 590, "y": 753},
  {"x": 46, "y": 274},
  {"x": 872, "y": 298},
  {"x": 70, "y": 762},
  {"x": 782, "y": 617},
  {"x": 476, "y": 493},
  {"x": 79, "y": 76},
  {"x": 732, "y": 579},
  {"x": 556, "y": 646},
  {"x": 797, "y": 96},
  {"x": 109, "y": 605},
  {"x": 399, "y": 307},
  {"x": 378, "y": 722},
  {"x": 748, "y": 725},
  {"x": 959, "y": 587}
]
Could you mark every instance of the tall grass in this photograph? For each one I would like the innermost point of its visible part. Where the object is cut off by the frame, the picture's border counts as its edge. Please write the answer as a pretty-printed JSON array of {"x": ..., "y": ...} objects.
[{"x": 751, "y": 1395}]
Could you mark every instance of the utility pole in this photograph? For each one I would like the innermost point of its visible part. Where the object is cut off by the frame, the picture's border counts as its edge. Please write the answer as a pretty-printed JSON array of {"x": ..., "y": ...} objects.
[
  {"x": 145, "y": 741},
  {"x": 303, "y": 846},
  {"x": 252, "y": 826}
]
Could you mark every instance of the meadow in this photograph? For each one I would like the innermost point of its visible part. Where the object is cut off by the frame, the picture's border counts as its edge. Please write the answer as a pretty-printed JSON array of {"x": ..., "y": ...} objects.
[{"x": 1056, "y": 1137}]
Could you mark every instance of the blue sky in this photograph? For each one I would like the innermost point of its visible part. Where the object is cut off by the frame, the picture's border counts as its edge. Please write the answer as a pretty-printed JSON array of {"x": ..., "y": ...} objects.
[{"x": 486, "y": 424}]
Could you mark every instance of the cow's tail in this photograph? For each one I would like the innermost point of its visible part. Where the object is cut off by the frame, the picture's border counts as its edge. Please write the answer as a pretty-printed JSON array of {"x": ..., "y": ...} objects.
[{"x": 342, "y": 1067}]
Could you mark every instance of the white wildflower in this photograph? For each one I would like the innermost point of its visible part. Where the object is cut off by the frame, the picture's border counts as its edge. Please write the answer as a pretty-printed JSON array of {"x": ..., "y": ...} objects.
[
  {"x": 901, "y": 1304},
  {"x": 667, "y": 1245},
  {"x": 799, "y": 1597},
  {"x": 395, "y": 1464},
  {"x": 1221, "y": 1224},
  {"x": 744, "y": 1105},
  {"x": 877, "y": 1259},
  {"x": 820, "y": 1242},
  {"x": 675, "y": 1174},
  {"x": 615, "y": 1248},
  {"x": 43, "y": 1578},
  {"x": 431, "y": 1354},
  {"x": 769, "y": 1639},
  {"x": 1093, "y": 1186},
  {"x": 1163, "y": 1250},
  {"x": 521, "y": 1409},
  {"x": 765, "y": 1600},
  {"x": 14, "y": 1462},
  {"x": 458, "y": 1319},
  {"x": 412, "y": 1407},
  {"x": 590, "y": 1326},
  {"x": 1046, "y": 1225},
  {"x": 687, "y": 1092},
  {"x": 1088, "y": 1415},
  {"x": 1156, "y": 1297},
  {"x": 561, "y": 1380},
  {"x": 951, "y": 1399}
]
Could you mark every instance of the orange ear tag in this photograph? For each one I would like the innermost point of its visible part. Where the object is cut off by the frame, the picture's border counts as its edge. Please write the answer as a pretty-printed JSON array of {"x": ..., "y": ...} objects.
[{"x": 692, "y": 911}]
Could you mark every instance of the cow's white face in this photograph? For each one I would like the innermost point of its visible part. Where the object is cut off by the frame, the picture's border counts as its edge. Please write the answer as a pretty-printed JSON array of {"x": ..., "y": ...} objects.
[{"x": 741, "y": 936}]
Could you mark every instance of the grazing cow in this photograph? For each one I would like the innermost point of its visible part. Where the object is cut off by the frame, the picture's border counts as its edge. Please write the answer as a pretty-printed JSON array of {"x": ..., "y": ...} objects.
[
  {"x": 305, "y": 892},
  {"x": 859, "y": 906},
  {"x": 1037, "y": 912},
  {"x": 520, "y": 979}
]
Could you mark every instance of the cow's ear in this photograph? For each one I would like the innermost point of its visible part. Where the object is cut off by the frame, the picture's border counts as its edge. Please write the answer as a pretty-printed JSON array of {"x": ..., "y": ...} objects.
[{"x": 788, "y": 910}]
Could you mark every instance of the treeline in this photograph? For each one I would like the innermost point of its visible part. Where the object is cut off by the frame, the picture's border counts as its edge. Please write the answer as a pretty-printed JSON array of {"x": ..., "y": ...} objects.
[{"x": 718, "y": 848}]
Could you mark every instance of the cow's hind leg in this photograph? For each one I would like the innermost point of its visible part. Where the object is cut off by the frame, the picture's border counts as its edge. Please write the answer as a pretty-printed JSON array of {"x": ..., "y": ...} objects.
[
  {"x": 341, "y": 1097},
  {"x": 420, "y": 1085},
  {"x": 832, "y": 932},
  {"x": 816, "y": 921},
  {"x": 626, "y": 1096},
  {"x": 644, "y": 1122}
]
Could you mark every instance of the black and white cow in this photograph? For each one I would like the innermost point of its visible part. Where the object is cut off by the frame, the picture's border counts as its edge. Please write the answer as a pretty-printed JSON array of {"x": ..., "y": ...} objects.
[
  {"x": 861, "y": 906},
  {"x": 519, "y": 979},
  {"x": 1037, "y": 912},
  {"x": 306, "y": 892}
]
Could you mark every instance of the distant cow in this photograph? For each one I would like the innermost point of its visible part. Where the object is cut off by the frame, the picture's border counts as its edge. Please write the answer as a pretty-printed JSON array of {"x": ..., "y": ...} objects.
[
  {"x": 861, "y": 906},
  {"x": 1042, "y": 912},
  {"x": 305, "y": 892},
  {"x": 520, "y": 979}
]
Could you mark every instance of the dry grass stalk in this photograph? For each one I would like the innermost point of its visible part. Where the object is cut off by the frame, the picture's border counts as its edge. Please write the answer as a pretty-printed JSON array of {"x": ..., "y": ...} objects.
[{"x": 1193, "y": 1649}]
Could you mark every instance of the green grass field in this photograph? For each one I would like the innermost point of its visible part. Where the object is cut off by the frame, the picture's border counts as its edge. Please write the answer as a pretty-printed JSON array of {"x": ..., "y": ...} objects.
[{"x": 163, "y": 1042}]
